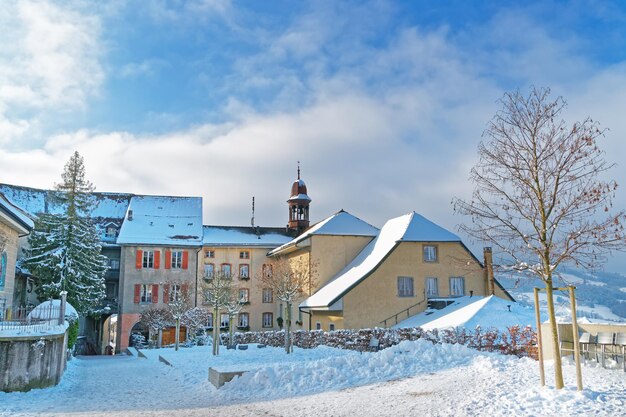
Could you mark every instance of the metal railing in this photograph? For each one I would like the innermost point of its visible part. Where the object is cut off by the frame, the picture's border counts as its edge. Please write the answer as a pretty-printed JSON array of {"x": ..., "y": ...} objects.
[
  {"x": 406, "y": 310},
  {"x": 24, "y": 320}
]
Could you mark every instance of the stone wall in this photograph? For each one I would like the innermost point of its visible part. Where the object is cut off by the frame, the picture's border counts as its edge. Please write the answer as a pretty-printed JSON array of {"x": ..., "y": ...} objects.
[{"x": 32, "y": 361}]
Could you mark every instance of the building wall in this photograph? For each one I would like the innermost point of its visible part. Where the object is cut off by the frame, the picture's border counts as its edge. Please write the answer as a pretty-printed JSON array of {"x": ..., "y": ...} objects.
[
  {"x": 11, "y": 248},
  {"x": 334, "y": 252},
  {"x": 258, "y": 258},
  {"x": 130, "y": 276},
  {"x": 376, "y": 297}
]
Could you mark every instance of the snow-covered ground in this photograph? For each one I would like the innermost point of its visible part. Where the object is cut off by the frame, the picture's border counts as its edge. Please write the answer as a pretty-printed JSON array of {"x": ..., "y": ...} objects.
[{"x": 412, "y": 378}]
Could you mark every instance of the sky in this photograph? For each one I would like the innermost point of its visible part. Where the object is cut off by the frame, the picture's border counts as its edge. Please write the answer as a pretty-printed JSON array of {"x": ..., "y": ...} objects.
[{"x": 382, "y": 102}]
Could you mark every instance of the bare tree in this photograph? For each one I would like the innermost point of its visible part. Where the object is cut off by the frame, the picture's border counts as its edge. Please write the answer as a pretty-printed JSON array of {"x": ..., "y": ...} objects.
[
  {"x": 195, "y": 319},
  {"x": 289, "y": 279},
  {"x": 538, "y": 195},
  {"x": 233, "y": 306},
  {"x": 156, "y": 319},
  {"x": 217, "y": 290},
  {"x": 176, "y": 295}
]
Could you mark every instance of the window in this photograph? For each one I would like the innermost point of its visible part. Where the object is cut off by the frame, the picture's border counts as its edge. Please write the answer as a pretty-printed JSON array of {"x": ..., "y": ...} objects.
[
  {"x": 244, "y": 295},
  {"x": 244, "y": 271},
  {"x": 405, "y": 287},
  {"x": 146, "y": 293},
  {"x": 209, "y": 270},
  {"x": 457, "y": 286},
  {"x": 331, "y": 327},
  {"x": 114, "y": 264},
  {"x": 226, "y": 271},
  {"x": 210, "y": 253},
  {"x": 430, "y": 253},
  {"x": 243, "y": 320},
  {"x": 111, "y": 290},
  {"x": 244, "y": 254},
  {"x": 224, "y": 320},
  {"x": 209, "y": 321},
  {"x": 110, "y": 232},
  {"x": 174, "y": 293},
  {"x": 432, "y": 289},
  {"x": 267, "y": 270},
  {"x": 148, "y": 259},
  {"x": 268, "y": 295},
  {"x": 318, "y": 326},
  {"x": 3, "y": 269},
  {"x": 177, "y": 259},
  {"x": 268, "y": 319}
]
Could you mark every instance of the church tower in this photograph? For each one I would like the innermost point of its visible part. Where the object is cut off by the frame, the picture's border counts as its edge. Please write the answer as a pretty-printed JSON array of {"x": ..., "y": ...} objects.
[{"x": 298, "y": 206}]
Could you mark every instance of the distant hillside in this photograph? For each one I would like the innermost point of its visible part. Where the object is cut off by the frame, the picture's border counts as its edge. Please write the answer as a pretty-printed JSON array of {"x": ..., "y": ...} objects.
[{"x": 601, "y": 296}]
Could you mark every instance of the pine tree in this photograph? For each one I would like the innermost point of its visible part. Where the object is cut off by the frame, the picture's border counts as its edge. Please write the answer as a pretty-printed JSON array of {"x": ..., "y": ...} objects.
[{"x": 65, "y": 252}]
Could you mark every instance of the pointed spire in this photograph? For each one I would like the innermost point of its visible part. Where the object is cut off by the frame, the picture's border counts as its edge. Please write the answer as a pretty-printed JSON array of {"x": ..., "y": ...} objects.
[{"x": 298, "y": 169}]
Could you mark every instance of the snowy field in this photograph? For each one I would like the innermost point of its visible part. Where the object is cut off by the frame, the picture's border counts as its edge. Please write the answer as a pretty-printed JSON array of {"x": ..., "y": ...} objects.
[{"x": 412, "y": 378}]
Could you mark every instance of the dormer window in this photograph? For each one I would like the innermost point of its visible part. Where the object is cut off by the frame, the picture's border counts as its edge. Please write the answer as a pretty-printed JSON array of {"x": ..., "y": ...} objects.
[{"x": 110, "y": 232}]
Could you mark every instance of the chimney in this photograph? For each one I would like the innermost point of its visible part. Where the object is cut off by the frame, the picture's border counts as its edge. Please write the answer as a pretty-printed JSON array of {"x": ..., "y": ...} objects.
[
  {"x": 130, "y": 215},
  {"x": 489, "y": 270}
]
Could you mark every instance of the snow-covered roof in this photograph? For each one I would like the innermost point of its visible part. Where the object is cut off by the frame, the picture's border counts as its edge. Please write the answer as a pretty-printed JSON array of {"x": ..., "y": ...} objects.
[
  {"x": 36, "y": 201},
  {"x": 341, "y": 223},
  {"x": 470, "y": 312},
  {"x": 175, "y": 221},
  {"x": 18, "y": 218},
  {"x": 410, "y": 227},
  {"x": 245, "y": 236},
  {"x": 300, "y": 197}
]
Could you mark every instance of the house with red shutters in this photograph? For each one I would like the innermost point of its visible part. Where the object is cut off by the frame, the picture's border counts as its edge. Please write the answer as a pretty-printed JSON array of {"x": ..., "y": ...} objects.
[{"x": 160, "y": 241}]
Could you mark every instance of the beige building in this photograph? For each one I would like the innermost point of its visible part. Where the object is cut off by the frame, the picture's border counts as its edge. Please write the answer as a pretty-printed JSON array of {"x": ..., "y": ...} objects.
[
  {"x": 13, "y": 224},
  {"x": 371, "y": 278}
]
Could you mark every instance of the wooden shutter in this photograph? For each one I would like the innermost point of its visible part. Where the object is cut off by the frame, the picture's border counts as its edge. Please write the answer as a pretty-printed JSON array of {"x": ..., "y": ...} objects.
[
  {"x": 166, "y": 293},
  {"x": 157, "y": 259},
  {"x": 183, "y": 289},
  {"x": 139, "y": 259},
  {"x": 155, "y": 293},
  {"x": 185, "y": 259},
  {"x": 168, "y": 259},
  {"x": 137, "y": 293}
]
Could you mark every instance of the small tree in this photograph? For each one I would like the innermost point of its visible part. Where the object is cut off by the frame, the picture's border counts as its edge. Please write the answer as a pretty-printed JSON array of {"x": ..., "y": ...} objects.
[
  {"x": 65, "y": 252},
  {"x": 157, "y": 319},
  {"x": 217, "y": 290},
  {"x": 178, "y": 303},
  {"x": 233, "y": 306},
  {"x": 195, "y": 319},
  {"x": 289, "y": 279},
  {"x": 538, "y": 197}
]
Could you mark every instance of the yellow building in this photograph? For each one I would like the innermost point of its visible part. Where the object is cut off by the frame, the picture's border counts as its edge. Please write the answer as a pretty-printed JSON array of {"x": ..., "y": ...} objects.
[{"x": 371, "y": 278}]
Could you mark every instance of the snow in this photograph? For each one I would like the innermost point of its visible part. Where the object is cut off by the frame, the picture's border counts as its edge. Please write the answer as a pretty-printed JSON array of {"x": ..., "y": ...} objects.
[
  {"x": 300, "y": 197},
  {"x": 341, "y": 223},
  {"x": 244, "y": 236},
  {"x": 33, "y": 330},
  {"x": 163, "y": 221},
  {"x": 469, "y": 312},
  {"x": 411, "y": 378},
  {"x": 16, "y": 213},
  {"x": 50, "y": 309},
  {"x": 410, "y": 227}
]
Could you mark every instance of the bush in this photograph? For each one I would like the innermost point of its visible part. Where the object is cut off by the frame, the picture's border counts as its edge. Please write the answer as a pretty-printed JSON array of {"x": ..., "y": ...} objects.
[{"x": 72, "y": 334}]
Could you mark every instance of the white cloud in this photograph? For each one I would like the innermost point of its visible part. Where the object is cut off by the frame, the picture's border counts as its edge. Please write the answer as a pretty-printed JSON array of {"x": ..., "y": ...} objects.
[{"x": 49, "y": 62}]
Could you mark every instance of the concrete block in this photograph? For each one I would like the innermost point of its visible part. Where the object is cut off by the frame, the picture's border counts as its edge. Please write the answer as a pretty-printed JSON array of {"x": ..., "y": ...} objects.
[{"x": 219, "y": 378}]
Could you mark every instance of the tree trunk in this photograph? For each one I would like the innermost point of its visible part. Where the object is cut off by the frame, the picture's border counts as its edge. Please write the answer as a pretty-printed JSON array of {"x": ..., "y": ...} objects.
[
  {"x": 216, "y": 332},
  {"x": 231, "y": 330},
  {"x": 558, "y": 370},
  {"x": 177, "y": 333},
  {"x": 288, "y": 346}
]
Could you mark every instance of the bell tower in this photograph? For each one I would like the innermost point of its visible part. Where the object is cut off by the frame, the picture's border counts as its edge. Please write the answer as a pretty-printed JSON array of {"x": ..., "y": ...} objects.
[{"x": 298, "y": 206}]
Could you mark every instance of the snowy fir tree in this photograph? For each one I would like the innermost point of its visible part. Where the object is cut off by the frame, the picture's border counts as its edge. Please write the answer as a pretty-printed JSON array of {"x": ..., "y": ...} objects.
[{"x": 65, "y": 252}]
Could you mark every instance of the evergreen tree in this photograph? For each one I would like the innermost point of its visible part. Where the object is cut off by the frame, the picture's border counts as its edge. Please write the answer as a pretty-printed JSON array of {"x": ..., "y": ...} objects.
[{"x": 65, "y": 252}]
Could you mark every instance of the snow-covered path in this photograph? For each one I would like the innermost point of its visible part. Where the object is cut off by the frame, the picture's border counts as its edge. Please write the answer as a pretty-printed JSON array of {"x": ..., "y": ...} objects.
[{"x": 415, "y": 378}]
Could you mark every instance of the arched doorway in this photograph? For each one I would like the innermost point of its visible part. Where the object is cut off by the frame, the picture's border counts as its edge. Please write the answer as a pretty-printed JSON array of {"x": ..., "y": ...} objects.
[
  {"x": 109, "y": 335},
  {"x": 139, "y": 335}
]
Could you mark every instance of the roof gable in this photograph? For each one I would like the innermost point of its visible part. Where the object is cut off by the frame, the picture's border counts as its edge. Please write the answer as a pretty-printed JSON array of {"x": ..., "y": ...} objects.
[{"x": 420, "y": 229}]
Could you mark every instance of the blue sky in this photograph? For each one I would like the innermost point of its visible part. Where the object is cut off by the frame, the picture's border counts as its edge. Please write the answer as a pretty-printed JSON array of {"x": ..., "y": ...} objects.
[{"x": 384, "y": 102}]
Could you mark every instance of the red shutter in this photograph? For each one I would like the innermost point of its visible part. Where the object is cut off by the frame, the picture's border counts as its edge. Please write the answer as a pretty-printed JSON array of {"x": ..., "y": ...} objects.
[
  {"x": 139, "y": 259},
  {"x": 185, "y": 259},
  {"x": 168, "y": 259},
  {"x": 137, "y": 292},
  {"x": 183, "y": 289},
  {"x": 157, "y": 259},
  {"x": 155, "y": 293},
  {"x": 166, "y": 292}
]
